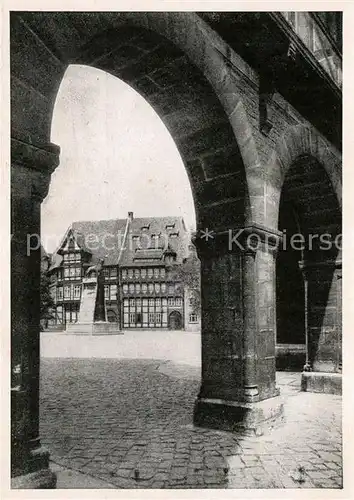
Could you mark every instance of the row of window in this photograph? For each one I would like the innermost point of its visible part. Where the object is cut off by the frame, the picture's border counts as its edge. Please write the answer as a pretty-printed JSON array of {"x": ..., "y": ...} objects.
[
  {"x": 158, "y": 302},
  {"x": 140, "y": 313},
  {"x": 151, "y": 315},
  {"x": 72, "y": 257},
  {"x": 157, "y": 272},
  {"x": 69, "y": 292},
  {"x": 316, "y": 41},
  {"x": 151, "y": 288}
]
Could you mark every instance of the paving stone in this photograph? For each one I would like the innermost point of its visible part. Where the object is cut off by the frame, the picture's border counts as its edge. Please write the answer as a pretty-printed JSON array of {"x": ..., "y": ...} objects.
[{"x": 148, "y": 432}]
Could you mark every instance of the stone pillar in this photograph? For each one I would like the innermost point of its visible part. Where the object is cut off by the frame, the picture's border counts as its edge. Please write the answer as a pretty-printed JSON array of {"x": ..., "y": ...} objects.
[
  {"x": 238, "y": 330},
  {"x": 323, "y": 306},
  {"x": 30, "y": 176}
]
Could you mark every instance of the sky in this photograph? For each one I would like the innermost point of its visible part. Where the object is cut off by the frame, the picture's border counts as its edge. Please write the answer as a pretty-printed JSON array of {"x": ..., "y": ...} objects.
[{"x": 116, "y": 156}]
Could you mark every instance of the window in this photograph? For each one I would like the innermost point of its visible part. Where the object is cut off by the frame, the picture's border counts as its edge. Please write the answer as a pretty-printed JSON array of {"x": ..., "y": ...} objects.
[
  {"x": 170, "y": 226},
  {"x": 106, "y": 292},
  {"x": 66, "y": 272},
  {"x": 144, "y": 287},
  {"x": 137, "y": 274},
  {"x": 171, "y": 301},
  {"x": 124, "y": 274},
  {"x": 65, "y": 257},
  {"x": 157, "y": 288},
  {"x": 60, "y": 274},
  {"x": 132, "y": 302},
  {"x": 72, "y": 272},
  {"x": 163, "y": 287},
  {"x": 137, "y": 287},
  {"x": 113, "y": 292},
  {"x": 106, "y": 272},
  {"x": 78, "y": 272},
  {"x": 171, "y": 288},
  {"x": 151, "y": 288},
  {"x": 178, "y": 301},
  {"x": 67, "y": 292},
  {"x": 156, "y": 272},
  {"x": 113, "y": 272},
  {"x": 130, "y": 274},
  {"x": 131, "y": 288},
  {"x": 143, "y": 273},
  {"x": 132, "y": 318},
  {"x": 162, "y": 272},
  {"x": 77, "y": 291},
  {"x": 150, "y": 272},
  {"x": 60, "y": 293},
  {"x": 158, "y": 317},
  {"x": 193, "y": 318},
  {"x": 151, "y": 317},
  {"x": 125, "y": 288}
]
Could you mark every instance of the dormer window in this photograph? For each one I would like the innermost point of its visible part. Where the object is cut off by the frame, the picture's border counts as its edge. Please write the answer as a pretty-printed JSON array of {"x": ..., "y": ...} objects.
[
  {"x": 173, "y": 235},
  {"x": 170, "y": 226},
  {"x": 145, "y": 228}
]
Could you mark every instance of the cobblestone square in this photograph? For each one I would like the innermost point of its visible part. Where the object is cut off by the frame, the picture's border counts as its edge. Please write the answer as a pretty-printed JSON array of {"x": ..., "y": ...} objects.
[{"x": 129, "y": 422}]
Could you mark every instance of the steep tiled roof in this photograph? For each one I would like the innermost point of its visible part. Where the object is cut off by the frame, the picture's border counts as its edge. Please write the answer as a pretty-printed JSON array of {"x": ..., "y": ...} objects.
[{"x": 104, "y": 239}]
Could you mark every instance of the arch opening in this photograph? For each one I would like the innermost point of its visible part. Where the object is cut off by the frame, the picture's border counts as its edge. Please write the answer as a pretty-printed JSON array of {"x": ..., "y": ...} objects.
[{"x": 307, "y": 289}]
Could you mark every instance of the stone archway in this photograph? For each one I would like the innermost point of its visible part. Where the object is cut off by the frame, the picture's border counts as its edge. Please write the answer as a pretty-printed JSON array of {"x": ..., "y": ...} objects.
[
  {"x": 186, "y": 81},
  {"x": 309, "y": 204}
]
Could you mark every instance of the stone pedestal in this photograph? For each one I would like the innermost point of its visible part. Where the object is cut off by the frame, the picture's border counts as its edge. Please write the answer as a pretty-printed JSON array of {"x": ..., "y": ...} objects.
[
  {"x": 238, "y": 331},
  {"x": 99, "y": 328},
  {"x": 30, "y": 175}
]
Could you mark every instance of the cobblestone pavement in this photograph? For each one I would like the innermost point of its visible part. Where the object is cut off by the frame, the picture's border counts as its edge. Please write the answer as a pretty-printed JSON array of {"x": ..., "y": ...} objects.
[{"x": 129, "y": 423}]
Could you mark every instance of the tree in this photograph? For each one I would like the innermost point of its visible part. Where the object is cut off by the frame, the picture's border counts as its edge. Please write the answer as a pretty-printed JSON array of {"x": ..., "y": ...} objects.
[
  {"x": 47, "y": 301},
  {"x": 188, "y": 273}
]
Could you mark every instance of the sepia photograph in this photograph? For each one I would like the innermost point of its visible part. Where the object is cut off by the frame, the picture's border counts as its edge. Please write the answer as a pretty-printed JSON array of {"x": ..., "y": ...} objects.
[{"x": 176, "y": 249}]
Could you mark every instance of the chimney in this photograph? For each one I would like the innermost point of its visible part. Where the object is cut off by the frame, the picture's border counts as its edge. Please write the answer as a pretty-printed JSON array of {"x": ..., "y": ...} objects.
[{"x": 130, "y": 216}]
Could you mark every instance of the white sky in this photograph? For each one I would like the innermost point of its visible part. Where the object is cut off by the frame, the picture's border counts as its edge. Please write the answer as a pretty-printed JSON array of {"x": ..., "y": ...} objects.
[{"x": 116, "y": 156}]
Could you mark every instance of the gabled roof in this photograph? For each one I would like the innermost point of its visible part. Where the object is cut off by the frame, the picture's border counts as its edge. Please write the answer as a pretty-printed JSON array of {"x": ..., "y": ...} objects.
[{"x": 103, "y": 239}]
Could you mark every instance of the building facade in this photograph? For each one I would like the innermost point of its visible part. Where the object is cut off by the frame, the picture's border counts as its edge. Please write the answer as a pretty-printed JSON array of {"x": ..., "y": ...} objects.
[
  {"x": 142, "y": 259},
  {"x": 253, "y": 101}
]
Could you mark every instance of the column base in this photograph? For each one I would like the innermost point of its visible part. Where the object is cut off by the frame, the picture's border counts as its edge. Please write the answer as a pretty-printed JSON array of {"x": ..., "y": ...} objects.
[
  {"x": 326, "y": 383},
  {"x": 252, "y": 418},
  {"x": 42, "y": 479}
]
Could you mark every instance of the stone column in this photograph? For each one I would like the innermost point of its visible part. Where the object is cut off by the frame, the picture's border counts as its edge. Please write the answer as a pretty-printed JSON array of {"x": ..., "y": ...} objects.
[
  {"x": 238, "y": 330},
  {"x": 31, "y": 168},
  {"x": 322, "y": 371}
]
